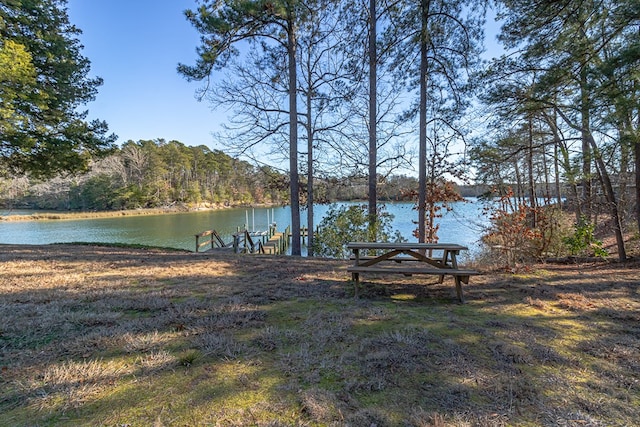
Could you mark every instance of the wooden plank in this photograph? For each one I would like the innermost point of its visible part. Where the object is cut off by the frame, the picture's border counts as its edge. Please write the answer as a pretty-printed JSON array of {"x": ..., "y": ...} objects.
[
  {"x": 405, "y": 270},
  {"x": 269, "y": 249},
  {"x": 221, "y": 242},
  {"x": 460, "y": 276},
  {"x": 399, "y": 252},
  {"x": 405, "y": 245},
  {"x": 272, "y": 246},
  {"x": 375, "y": 260},
  {"x": 248, "y": 242},
  {"x": 205, "y": 243},
  {"x": 399, "y": 258},
  {"x": 205, "y": 233},
  {"x": 214, "y": 239},
  {"x": 216, "y": 249},
  {"x": 407, "y": 255}
]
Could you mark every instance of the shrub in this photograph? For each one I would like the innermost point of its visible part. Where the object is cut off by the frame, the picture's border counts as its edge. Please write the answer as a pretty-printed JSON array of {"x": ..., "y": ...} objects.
[
  {"x": 520, "y": 232},
  {"x": 583, "y": 242},
  {"x": 350, "y": 223}
]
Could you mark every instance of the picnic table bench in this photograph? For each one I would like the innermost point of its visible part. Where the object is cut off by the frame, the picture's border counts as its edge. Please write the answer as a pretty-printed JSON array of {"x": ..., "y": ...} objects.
[{"x": 409, "y": 259}]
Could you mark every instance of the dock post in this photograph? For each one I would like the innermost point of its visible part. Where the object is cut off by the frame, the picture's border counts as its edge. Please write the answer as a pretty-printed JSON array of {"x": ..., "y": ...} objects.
[
  {"x": 285, "y": 239},
  {"x": 236, "y": 243}
]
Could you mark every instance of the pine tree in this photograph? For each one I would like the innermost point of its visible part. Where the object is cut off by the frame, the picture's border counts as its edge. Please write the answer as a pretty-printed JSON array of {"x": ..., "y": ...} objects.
[{"x": 44, "y": 80}]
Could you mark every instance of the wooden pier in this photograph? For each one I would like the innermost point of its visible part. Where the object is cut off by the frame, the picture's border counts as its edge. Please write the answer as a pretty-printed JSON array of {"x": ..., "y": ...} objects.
[
  {"x": 277, "y": 243},
  {"x": 244, "y": 241}
]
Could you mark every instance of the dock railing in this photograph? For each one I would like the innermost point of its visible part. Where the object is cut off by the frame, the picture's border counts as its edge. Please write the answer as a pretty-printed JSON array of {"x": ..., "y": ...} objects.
[
  {"x": 210, "y": 239},
  {"x": 244, "y": 242}
]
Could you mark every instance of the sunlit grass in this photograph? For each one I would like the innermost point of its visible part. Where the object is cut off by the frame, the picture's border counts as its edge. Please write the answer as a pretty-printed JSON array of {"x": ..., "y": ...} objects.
[{"x": 116, "y": 336}]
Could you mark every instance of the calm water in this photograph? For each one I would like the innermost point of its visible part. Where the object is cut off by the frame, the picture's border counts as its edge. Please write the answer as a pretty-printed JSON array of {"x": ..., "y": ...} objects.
[{"x": 462, "y": 225}]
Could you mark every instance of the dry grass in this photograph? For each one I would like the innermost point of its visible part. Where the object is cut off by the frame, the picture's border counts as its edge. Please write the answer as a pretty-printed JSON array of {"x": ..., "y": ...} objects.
[{"x": 117, "y": 336}]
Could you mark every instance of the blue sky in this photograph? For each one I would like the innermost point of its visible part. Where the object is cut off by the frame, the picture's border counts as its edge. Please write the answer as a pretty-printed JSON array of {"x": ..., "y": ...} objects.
[{"x": 135, "y": 46}]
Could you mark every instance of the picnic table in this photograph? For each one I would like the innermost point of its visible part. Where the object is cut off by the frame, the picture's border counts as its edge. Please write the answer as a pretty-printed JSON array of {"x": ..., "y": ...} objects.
[{"x": 408, "y": 259}]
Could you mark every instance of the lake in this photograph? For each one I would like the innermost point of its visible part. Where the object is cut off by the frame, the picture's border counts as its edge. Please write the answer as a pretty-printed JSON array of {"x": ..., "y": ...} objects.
[{"x": 463, "y": 225}]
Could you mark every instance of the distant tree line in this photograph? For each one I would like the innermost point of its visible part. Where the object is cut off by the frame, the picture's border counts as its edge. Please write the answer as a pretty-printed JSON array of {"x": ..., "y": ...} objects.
[{"x": 150, "y": 174}]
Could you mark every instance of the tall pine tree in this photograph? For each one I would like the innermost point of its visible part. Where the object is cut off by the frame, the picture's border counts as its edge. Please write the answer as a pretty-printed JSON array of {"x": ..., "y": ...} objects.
[{"x": 43, "y": 83}]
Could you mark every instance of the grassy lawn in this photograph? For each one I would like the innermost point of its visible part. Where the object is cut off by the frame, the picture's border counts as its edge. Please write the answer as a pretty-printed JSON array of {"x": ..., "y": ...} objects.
[{"x": 136, "y": 337}]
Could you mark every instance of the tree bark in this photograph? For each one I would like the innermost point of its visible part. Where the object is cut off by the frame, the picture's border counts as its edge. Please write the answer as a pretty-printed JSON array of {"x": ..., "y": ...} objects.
[
  {"x": 532, "y": 182},
  {"x": 637, "y": 190},
  {"x": 587, "y": 196},
  {"x": 566, "y": 162},
  {"x": 611, "y": 198},
  {"x": 519, "y": 193},
  {"x": 373, "y": 121},
  {"x": 293, "y": 138},
  {"x": 422, "y": 151},
  {"x": 556, "y": 171},
  {"x": 310, "y": 196}
]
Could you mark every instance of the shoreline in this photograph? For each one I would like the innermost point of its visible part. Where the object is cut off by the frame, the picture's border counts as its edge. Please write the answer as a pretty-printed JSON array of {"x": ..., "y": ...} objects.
[{"x": 73, "y": 215}]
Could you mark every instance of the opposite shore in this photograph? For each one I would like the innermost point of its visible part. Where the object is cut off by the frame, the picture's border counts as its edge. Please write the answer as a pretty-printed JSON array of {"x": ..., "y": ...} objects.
[{"x": 74, "y": 215}]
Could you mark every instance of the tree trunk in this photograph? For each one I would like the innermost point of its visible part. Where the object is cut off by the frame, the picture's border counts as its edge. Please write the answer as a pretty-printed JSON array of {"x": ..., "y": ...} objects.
[
  {"x": 293, "y": 139},
  {"x": 634, "y": 149},
  {"x": 310, "y": 196},
  {"x": 587, "y": 196},
  {"x": 547, "y": 184},
  {"x": 373, "y": 121},
  {"x": 623, "y": 176},
  {"x": 532, "y": 182},
  {"x": 556, "y": 171},
  {"x": 610, "y": 197},
  {"x": 422, "y": 152},
  {"x": 566, "y": 164},
  {"x": 636, "y": 161},
  {"x": 519, "y": 193}
]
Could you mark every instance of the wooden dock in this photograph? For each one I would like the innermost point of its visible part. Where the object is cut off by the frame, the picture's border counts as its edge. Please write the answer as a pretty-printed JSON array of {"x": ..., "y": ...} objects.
[
  {"x": 277, "y": 243},
  {"x": 243, "y": 241}
]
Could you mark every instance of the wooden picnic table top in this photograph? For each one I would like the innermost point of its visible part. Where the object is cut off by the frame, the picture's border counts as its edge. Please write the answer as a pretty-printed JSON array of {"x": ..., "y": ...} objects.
[{"x": 406, "y": 246}]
